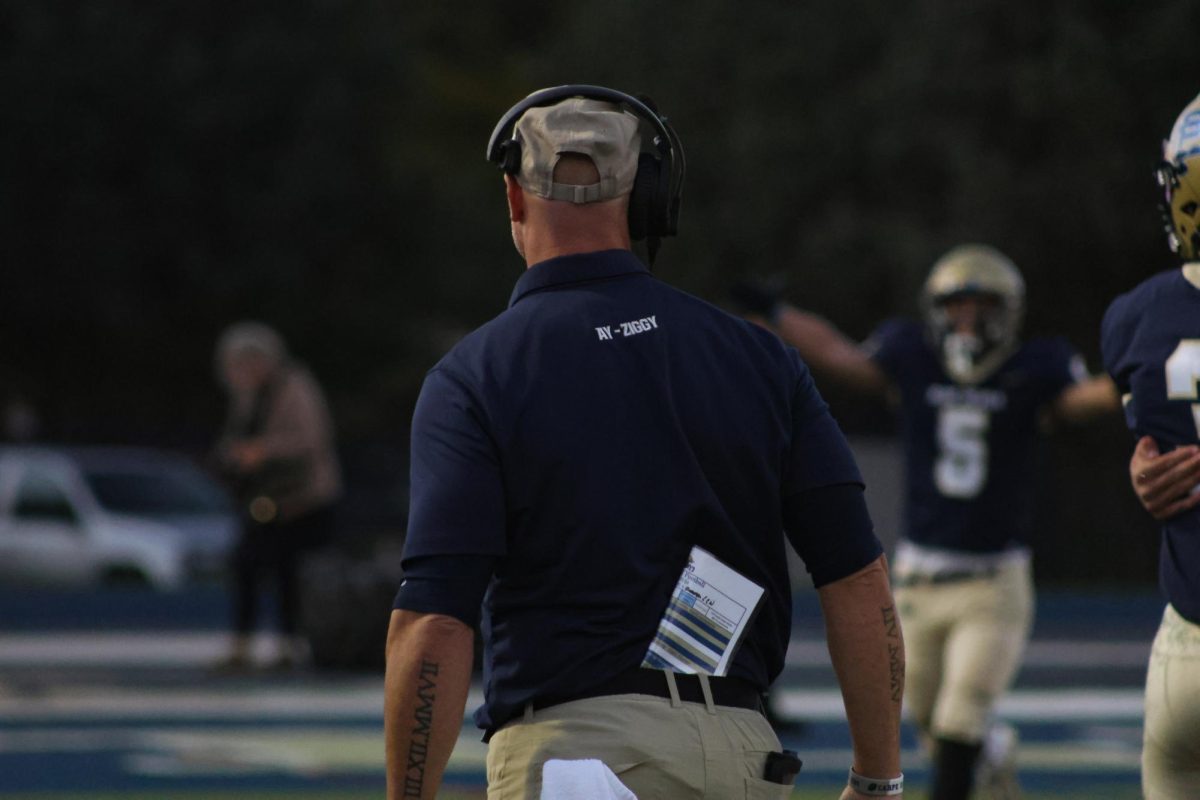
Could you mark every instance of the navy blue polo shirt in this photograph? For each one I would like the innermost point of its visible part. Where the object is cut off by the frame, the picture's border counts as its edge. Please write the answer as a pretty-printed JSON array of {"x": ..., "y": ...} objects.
[
  {"x": 969, "y": 450},
  {"x": 1150, "y": 339},
  {"x": 585, "y": 439}
]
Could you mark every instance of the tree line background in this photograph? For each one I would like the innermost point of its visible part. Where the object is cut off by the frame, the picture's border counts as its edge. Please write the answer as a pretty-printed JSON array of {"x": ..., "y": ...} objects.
[{"x": 318, "y": 164}]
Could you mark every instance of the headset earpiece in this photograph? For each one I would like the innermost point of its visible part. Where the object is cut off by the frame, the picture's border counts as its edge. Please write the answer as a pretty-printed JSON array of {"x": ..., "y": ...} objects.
[
  {"x": 510, "y": 156},
  {"x": 666, "y": 205},
  {"x": 643, "y": 200}
]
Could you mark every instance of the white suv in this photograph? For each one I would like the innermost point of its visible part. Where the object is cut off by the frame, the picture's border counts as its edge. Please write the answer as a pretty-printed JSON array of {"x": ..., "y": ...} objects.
[{"x": 95, "y": 516}]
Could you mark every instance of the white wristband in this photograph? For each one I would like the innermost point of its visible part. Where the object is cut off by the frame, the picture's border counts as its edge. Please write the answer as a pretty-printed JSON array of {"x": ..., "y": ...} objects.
[{"x": 876, "y": 787}]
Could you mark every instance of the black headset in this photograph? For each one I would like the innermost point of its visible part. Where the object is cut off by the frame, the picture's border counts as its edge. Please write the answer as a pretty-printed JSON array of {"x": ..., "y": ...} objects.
[{"x": 658, "y": 185}]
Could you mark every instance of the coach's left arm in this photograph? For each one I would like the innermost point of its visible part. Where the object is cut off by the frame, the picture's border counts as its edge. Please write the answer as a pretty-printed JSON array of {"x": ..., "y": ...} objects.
[
  {"x": 429, "y": 659},
  {"x": 866, "y": 646}
]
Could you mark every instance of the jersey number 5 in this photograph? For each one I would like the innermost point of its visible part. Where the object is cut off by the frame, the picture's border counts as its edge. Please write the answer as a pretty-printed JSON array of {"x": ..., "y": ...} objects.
[
  {"x": 1183, "y": 372},
  {"x": 961, "y": 468}
]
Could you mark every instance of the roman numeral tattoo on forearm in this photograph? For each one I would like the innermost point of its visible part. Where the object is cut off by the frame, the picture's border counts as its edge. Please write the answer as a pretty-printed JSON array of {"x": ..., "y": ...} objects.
[
  {"x": 418, "y": 748},
  {"x": 891, "y": 626}
]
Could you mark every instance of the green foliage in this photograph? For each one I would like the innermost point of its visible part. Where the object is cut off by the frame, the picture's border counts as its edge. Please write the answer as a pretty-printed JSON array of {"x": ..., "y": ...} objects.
[
  {"x": 170, "y": 168},
  {"x": 173, "y": 169},
  {"x": 848, "y": 145}
]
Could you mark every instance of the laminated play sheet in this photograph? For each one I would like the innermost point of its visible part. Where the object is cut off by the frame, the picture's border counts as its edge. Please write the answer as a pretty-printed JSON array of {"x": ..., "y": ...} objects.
[{"x": 709, "y": 611}]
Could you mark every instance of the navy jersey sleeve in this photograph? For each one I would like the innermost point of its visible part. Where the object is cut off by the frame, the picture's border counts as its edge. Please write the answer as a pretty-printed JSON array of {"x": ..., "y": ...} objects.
[
  {"x": 890, "y": 345},
  {"x": 457, "y": 499},
  {"x": 1115, "y": 338},
  {"x": 828, "y": 527},
  {"x": 1063, "y": 366}
]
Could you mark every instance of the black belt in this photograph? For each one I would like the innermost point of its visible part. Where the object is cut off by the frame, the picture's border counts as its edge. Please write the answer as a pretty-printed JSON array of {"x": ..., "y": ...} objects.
[
  {"x": 734, "y": 692},
  {"x": 937, "y": 578}
]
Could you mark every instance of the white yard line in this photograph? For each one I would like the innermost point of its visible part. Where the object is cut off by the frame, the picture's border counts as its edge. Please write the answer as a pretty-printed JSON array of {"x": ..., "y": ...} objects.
[
  {"x": 115, "y": 649},
  {"x": 358, "y": 700},
  {"x": 1028, "y": 705}
]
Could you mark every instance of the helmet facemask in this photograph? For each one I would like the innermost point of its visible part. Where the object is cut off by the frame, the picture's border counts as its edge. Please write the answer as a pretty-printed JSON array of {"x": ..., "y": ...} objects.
[
  {"x": 1180, "y": 206},
  {"x": 973, "y": 302},
  {"x": 1179, "y": 177},
  {"x": 970, "y": 350}
]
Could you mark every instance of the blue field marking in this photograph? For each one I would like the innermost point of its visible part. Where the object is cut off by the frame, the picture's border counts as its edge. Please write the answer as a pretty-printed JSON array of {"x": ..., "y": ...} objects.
[
  {"x": 108, "y": 772},
  {"x": 202, "y": 607},
  {"x": 111, "y": 693},
  {"x": 291, "y": 756},
  {"x": 228, "y": 735}
]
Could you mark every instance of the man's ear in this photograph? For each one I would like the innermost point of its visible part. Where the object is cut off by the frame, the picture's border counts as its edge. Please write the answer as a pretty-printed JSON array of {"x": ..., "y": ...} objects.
[{"x": 516, "y": 199}]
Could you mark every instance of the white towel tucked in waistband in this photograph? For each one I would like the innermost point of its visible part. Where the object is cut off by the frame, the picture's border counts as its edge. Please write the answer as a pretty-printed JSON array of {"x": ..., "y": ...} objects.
[{"x": 585, "y": 779}]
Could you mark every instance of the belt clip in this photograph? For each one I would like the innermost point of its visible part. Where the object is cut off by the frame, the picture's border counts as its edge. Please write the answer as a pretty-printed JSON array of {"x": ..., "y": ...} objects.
[
  {"x": 706, "y": 690},
  {"x": 673, "y": 688}
]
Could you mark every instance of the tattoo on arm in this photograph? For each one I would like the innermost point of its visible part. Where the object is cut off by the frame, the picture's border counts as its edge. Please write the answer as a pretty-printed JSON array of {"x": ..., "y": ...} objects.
[
  {"x": 418, "y": 748},
  {"x": 890, "y": 623},
  {"x": 891, "y": 626}
]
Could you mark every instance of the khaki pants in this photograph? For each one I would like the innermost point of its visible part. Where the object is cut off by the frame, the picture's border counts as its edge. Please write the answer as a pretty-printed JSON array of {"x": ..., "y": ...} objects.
[
  {"x": 963, "y": 642},
  {"x": 1171, "y": 741},
  {"x": 660, "y": 750}
]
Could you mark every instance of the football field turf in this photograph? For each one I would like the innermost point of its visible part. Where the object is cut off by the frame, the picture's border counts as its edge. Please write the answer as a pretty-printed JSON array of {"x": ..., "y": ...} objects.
[{"x": 135, "y": 714}]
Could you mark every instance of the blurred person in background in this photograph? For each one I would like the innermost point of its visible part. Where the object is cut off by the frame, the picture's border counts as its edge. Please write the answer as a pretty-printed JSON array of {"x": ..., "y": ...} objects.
[
  {"x": 1150, "y": 339},
  {"x": 971, "y": 396},
  {"x": 21, "y": 421},
  {"x": 276, "y": 453}
]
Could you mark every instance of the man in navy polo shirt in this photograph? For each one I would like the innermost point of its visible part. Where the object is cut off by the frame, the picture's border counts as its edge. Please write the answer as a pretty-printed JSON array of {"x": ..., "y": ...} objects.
[
  {"x": 1150, "y": 338},
  {"x": 567, "y": 457}
]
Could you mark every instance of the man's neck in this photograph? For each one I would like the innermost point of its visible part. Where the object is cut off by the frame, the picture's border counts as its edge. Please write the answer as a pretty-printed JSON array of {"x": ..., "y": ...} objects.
[
  {"x": 545, "y": 229},
  {"x": 541, "y": 248},
  {"x": 1191, "y": 271}
]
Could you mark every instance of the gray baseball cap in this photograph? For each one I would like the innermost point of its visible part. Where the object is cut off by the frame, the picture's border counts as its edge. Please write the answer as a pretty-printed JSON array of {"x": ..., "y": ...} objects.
[{"x": 601, "y": 131}]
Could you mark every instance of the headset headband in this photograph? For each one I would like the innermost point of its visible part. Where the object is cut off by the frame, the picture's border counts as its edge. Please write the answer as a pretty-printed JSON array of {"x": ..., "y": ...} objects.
[{"x": 548, "y": 97}]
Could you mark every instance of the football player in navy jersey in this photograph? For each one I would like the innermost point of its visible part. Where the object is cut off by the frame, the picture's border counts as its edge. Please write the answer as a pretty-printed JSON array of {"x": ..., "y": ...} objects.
[
  {"x": 971, "y": 394},
  {"x": 1150, "y": 339}
]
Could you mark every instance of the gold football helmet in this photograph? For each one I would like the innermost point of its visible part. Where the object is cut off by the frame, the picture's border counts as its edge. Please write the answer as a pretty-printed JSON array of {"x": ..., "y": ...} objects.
[
  {"x": 1179, "y": 175},
  {"x": 974, "y": 270}
]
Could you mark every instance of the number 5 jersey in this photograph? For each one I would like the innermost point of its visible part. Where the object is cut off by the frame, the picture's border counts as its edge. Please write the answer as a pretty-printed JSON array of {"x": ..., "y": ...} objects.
[{"x": 970, "y": 448}]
